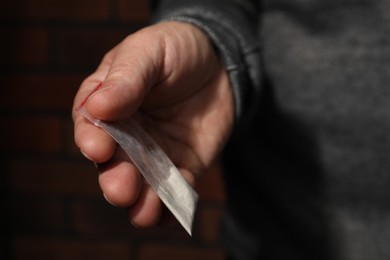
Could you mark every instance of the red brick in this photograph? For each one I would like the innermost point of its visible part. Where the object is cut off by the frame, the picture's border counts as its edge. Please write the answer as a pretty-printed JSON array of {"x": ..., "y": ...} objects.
[
  {"x": 47, "y": 248},
  {"x": 210, "y": 186},
  {"x": 177, "y": 251},
  {"x": 132, "y": 10},
  {"x": 39, "y": 91},
  {"x": 102, "y": 219},
  {"x": 53, "y": 177},
  {"x": 208, "y": 225},
  {"x": 99, "y": 219},
  {"x": 29, "y": 134},
  {"x": 55, "y": 10},
  {"x": 35, "y": 216},
  {"x": 24, "y": 46},
  {"x": 84, "y": 48}
]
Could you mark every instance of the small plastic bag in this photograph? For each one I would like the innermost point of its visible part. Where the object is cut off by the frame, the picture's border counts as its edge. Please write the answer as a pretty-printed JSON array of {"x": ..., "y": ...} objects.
[{"x": 155, "y": 166}]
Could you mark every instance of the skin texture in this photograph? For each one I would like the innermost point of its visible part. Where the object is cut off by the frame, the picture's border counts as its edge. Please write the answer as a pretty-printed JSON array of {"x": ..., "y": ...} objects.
[{"x": 168, "y": 77}]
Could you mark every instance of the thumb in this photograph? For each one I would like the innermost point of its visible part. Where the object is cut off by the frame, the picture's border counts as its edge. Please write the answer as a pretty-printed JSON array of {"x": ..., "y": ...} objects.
[{"x": 134, "y": 69}]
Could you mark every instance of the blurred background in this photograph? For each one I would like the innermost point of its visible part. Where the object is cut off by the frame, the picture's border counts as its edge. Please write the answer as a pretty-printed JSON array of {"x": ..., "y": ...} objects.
[{"x": 51, "y": 206}]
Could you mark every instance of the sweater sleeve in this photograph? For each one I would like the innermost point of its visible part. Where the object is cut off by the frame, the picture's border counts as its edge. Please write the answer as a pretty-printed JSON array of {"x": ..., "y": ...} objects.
[{"x": 232, "y": 27}]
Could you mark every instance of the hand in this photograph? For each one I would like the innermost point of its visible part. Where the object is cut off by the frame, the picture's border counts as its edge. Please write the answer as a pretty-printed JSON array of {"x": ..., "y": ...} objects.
[{"x": 168, "y": 78}]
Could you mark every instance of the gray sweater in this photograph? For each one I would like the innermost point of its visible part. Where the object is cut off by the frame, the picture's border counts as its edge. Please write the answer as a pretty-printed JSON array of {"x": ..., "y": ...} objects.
[{"x": 308, "y": 168}]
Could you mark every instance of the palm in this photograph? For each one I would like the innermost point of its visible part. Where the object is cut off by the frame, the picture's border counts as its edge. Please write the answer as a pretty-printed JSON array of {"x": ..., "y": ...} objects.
[{"x": 192, "y": 129}]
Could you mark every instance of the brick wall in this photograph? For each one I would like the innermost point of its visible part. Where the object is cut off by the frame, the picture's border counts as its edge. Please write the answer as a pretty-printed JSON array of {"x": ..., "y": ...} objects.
[{"x": 51, "y": 206}]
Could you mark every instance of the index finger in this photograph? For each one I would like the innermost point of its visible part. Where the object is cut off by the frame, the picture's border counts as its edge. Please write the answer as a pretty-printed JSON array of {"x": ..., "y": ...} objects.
[{"x": 94, "y": 143}]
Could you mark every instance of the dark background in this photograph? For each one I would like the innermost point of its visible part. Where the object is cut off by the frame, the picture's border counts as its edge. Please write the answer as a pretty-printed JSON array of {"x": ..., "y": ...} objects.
[{"x": 51, "y": 205}]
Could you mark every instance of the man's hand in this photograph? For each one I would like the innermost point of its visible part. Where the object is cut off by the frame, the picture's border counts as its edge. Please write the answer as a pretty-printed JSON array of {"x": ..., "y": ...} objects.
[{"x": 168, "y": 78}]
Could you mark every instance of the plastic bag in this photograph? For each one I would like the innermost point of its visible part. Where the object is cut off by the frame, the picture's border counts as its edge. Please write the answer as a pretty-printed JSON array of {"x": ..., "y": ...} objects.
[{"x": 155, "y": 166}]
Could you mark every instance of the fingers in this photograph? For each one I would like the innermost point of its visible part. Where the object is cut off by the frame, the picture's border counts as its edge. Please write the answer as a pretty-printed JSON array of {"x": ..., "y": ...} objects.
[
  {"x": 146, "y": 212},
  {"x": 93, "y": 142},
  {"x": 115, "y": 91},
  {"x": 126, "y": 73},
  {"x": 123, "y": 186},
  {"x": 119, "y": 180}
]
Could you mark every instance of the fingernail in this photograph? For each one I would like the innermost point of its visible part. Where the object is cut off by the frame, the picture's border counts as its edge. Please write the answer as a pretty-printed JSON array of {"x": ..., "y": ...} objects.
[
  {"x": 85, "y": 155},
  {"x": 133, "y": 224},
  {"x": 97, "y": 167},
  {"x": 105, "y": 197}
]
